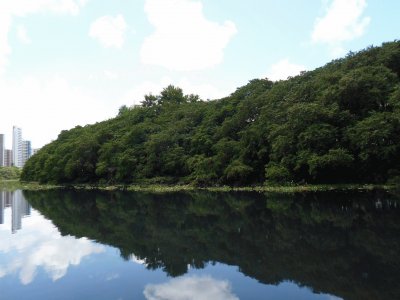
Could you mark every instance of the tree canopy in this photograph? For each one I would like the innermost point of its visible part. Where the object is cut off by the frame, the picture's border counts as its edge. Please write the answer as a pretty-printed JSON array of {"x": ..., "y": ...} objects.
[
  {"x": 9, "y": 173},
  {"x": 337, "y": 123}
]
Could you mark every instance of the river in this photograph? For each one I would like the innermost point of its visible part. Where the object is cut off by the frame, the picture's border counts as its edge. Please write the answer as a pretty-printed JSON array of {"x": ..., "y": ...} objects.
[{"x": 67, "y": 244}]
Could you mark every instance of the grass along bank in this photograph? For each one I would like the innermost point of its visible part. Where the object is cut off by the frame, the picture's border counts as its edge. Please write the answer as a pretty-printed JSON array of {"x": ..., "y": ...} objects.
[
  {"x": 159, "y": 188},
  {"x": 11, "y": 185},
  {"x": 181, "y": 188}
]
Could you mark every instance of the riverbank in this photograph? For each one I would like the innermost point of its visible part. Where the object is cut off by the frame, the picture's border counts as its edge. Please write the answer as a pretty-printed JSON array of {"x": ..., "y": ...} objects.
[
  {"x": 15, "y": 184},
  {"x": 10, "y": 185},
  {"x": 263, "y": 189}
]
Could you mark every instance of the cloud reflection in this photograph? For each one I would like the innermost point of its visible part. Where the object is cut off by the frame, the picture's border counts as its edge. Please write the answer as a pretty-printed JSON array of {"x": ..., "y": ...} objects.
[
  {"x": 40, "y": 245},
  {"x": 193, "y": 288},
  {"x": 138, "y": 261}
]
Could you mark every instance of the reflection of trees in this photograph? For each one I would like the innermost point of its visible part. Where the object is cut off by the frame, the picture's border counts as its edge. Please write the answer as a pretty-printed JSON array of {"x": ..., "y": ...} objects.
[{"x": 341, "y": 244}]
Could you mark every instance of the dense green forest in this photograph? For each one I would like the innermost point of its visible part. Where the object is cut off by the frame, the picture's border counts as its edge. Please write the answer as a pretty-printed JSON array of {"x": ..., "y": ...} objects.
[
  {"x": 337, "y": 123},
  {"x": 344, "y": 244}
]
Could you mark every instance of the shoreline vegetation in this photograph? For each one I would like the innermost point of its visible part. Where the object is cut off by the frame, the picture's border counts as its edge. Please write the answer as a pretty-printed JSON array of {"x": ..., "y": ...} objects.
[
  {"x": 293, "y": 188},
  {"x": 10, "y": 173}
]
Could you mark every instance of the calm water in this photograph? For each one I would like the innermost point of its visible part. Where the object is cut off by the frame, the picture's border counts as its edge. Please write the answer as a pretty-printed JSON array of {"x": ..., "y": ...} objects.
[{"x": 98, "y": 245}]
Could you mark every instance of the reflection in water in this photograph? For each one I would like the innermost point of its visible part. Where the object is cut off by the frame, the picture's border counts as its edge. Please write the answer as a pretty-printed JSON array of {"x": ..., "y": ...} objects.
[
  {"x": 37, "y": 246},
  {"x": 342, "y": 244},
  {"x": 19, "y": 208},
  {"x": 196, "y": 288}
]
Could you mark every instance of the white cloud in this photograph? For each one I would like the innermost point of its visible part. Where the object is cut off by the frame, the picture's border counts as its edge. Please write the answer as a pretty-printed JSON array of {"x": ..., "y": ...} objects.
[
  {"x": 109, "y": 31},
  {"x": 283, "y": 69},
  {"x": 110, "y": 75},
  {"x": 194, "y": 288},
  {"x": 37, "y": 245},
  {"x": 5, "y": 49},
  {"x": 184, "y": 39},
  {"x": 54, "y": 255},
  {"x": 204, "y": 90},
  {"x": 137, "y": 260},
  {"x": 23, "y": 35},
  {"x": 343, "y": 21},
  {"x": 21, "y": 8}
]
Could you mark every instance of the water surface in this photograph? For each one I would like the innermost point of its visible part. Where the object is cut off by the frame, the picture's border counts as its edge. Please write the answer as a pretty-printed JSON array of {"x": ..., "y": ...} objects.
[{"x": 118, "y": 245}]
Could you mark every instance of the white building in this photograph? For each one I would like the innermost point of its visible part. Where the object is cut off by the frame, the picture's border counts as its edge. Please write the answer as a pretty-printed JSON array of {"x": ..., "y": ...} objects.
[
  {"x": 2, "y": 150},
  {"x": 17, "y": 147},
  {"x": 21, "y": 150},
  {"x": 8, "y": 157}
]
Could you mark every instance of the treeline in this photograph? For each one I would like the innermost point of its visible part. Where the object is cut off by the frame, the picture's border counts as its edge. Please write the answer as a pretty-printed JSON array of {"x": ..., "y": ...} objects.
[
  {"x": 9, "y": 173},
  {"x": 338, "y": 123}
]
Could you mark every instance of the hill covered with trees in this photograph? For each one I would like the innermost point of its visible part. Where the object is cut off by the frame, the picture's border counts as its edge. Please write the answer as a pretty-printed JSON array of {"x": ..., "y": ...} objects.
[{"x": 337, "y": 124}]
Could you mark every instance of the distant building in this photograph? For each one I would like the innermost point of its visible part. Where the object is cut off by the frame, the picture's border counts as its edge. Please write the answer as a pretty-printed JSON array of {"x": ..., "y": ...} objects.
[
  {"x": 26, "y": 150},
  {"x": 34, "y": 151},
  {"x": 8, "y": 158},
  {"x": 17, "y": 147},
  {"x": 1, "y": 150},
  {"x": 22, "y": 150}
]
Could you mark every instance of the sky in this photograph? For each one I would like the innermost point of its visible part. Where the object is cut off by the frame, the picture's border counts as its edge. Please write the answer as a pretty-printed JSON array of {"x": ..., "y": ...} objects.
[{"x": 65, "y": 63}]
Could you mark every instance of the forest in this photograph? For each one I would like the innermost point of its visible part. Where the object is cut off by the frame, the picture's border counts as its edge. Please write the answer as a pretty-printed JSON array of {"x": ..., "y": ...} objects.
[{"x": 339, "y": 123}]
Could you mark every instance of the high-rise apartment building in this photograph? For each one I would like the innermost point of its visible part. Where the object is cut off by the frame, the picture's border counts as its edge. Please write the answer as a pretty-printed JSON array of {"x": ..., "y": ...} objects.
[
  {"x": 21, "y": 150},
  {"x": 26, "y": 151},
  {"x": 1, "y": 150},
  {"x": 17, "y": 147},
  {"x": 8, "y": 158}
]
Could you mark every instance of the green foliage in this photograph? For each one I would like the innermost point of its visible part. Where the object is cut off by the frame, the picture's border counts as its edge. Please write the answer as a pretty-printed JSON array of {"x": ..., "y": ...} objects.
[
  {"x": 330, "y": 165},
  {"x": 276, "y": 173},
  {"x": 203, "y": 170},
  {"x": 123, "y": 109},
  {"x": 238, "y": 172},
  {"x": 9, "y": 173},
  {"x": 337, "y": 124}
]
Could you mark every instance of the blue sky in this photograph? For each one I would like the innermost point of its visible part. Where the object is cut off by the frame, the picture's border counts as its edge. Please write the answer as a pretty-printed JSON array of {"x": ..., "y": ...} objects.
[{"x": 72, "y": 62}]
